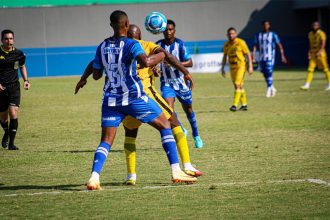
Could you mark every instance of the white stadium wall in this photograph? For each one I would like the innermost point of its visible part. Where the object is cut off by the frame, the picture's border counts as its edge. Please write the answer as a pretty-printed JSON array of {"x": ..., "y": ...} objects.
[{"x": 66, "y": 27}]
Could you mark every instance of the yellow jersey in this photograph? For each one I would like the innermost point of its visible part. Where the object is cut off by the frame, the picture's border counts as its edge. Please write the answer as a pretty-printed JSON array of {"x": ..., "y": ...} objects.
[
  {"x": 236, "y": 52},
  {"x": 145, "y": 74},
  {"x": 315, "y": 41}
]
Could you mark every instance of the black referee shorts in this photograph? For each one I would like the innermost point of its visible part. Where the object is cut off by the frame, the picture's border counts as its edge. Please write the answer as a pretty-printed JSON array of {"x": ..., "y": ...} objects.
[{"x": 11, "y": 96}]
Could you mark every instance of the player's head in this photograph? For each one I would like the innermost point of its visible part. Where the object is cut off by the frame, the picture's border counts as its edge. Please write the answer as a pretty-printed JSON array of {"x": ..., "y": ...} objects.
[
  {"x": 231, "y": 33},
  {"x": 134, "y": 32},
  {"x": 119, "y": 20},
  {"x": 316, "y": 25},
  {"x": 169, "y": 33},
  {"x": 7, "y": 38},
  {"x": 265, "y": 25}
]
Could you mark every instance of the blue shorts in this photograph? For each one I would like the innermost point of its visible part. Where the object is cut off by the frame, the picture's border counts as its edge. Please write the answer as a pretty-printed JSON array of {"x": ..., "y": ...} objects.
[
  {"x": 183, "y": 95},
  {"x": 144, "y": 109},
  {"x": 266, "y": 67}
]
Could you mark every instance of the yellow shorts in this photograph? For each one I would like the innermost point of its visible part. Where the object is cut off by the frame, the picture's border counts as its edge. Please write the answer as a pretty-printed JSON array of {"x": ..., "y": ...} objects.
[
  {"x": 320, "y": 62},
  {"x": 237, "y": 75},
  {"x": 132, "y": 123}
]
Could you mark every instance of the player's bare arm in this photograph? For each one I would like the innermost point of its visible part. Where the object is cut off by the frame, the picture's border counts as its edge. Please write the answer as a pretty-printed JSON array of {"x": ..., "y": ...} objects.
[
  {"x": 323, "y": 42},
  {"x": 83, "y": 80},
  {"x": 149, "y": 61},
  {"x": 187, "y": 63},
  {"x": 249, "y": 58},
  {"x": 280, "y": 47},
  {"x": 224, "y": 61},
  {"x": 254, "y": 50},
  {"x": 26, "y": 84}
]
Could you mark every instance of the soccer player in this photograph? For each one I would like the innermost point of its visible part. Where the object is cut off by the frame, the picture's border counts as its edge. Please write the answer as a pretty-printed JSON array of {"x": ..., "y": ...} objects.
[
  {"x": 124, "y": 95},
  {"x": 11, "y": 59},
  {"x": 266, "y": 41},
  {"x": 317, "y": 55},
  {"x": 131, "y": 124},
  {"x": 172, "y": 80},
  {"x": 237, "y": 52}
]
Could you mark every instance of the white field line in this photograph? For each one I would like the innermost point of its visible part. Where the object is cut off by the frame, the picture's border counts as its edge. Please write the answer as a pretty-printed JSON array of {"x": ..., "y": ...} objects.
[{"x": 314, "y": 181}]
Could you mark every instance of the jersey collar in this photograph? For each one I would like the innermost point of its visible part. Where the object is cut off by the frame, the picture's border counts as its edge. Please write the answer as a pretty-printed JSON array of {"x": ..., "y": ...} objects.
[{"x": 7, "y": 51}]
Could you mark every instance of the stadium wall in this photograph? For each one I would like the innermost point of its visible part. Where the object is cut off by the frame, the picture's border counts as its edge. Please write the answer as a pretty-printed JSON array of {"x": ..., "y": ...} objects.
[{"x": 62, "y": 40}]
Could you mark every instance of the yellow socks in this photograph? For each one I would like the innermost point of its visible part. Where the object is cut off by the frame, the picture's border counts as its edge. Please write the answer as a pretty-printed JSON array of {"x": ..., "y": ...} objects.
[
  {"x": 182, "y": 144},
  {"x": 130, "y": 152},
  {"x": 309, "y": 77},
  {"x": 243, "y": 97},
  {"x": 237, "y": 97}
]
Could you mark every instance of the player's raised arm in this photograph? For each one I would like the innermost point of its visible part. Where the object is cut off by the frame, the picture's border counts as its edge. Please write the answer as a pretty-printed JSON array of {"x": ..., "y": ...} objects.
[{"x": 177, "y": 64}]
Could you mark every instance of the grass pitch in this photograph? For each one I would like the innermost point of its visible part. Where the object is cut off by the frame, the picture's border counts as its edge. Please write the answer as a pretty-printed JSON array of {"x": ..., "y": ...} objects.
[{"x": 271, "y": 162}]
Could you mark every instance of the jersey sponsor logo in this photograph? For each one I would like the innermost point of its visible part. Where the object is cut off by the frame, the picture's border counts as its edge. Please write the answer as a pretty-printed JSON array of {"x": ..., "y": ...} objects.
[
  {"x": 109, "y": 118},
  {"x": 143, "y": 116},
  {"x": 111, "y": 50}
]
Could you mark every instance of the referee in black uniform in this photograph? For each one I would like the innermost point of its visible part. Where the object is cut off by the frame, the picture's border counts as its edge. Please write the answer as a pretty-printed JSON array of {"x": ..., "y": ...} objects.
[{"x": 11, "y": 59}]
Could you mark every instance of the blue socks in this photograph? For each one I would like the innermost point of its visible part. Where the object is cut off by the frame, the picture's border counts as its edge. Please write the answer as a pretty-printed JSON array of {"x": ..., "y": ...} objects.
[
  {"x": 100, "y": 157},
  {"x": 169, "y": 145},
  {"x": 193, "y": 123}
]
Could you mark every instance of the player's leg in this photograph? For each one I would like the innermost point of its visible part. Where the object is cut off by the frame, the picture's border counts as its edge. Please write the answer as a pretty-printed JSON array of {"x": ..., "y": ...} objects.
[
  {"x": 311, "y": 67},
  {"x": 111, "y": 118},
  {"x": 14, "y": 103},
  {"x": 178, "y": 133},
  {"x": 157, "y": 119},
  {"x": 266, "y": 68},
  {"x": 237, "y": 79},
  {"x": 131, "y": 126},
  {"x": 168, "y": 93},
  {"x": 325, "y": 67},
  {"x": 4, "y": 118}
]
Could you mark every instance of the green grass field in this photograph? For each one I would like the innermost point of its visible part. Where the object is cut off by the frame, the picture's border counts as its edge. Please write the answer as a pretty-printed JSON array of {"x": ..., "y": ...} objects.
[{"x": 272, "y": 162}]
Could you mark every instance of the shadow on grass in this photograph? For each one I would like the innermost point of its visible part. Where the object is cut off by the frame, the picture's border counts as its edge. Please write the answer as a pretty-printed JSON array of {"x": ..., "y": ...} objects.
[
  {"x": 69, "y": 187},
  {"x": 92, "y": 151}
]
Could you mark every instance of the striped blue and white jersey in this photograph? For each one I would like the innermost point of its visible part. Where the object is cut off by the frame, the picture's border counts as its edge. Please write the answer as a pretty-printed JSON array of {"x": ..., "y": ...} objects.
[
  {"x": 266, "y": 44},
  {"x": 170, "y": 75},
  {"x": 117, "y": 57}
]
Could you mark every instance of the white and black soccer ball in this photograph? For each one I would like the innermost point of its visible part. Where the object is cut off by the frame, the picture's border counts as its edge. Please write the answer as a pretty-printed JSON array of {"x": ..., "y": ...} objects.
[{"x": 155, "y": 22}]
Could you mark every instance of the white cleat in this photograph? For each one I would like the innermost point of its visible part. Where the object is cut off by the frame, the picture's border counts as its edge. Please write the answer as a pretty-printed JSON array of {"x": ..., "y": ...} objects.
[
  {"x": 273, "y": 91},
  {"x": 304, "y": 87},
  {"x": 269, "y": 92},
  {"x": 181, "y": 177}
]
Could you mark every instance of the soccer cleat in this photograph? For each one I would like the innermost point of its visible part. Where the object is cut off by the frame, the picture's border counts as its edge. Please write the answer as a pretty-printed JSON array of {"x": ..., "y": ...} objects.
[
  {"x": 93, "y": 184},
  {"x": 185, "y": 131},
  {"x": 130, "y": 182},
  {"x": 198, "y": 142},
  {"x": 5, "y": 140},
  {"x": 13, "y": 147},
  {"x": 233, "y": 108},
  {"x": 304, "y": 87},
  {"x": 243, "y": 108},
  {"x": 181, "y": 177},
  {"x": 194, "y": 173}
]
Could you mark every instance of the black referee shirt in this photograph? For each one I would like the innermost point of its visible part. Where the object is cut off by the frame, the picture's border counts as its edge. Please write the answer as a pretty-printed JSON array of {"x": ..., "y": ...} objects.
[{"x": 10, "y": 61}]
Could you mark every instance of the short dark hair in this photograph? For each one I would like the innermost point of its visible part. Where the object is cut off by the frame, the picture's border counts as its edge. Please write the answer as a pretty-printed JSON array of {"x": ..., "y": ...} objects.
[
  {"x": 231, "y": 29},
  {"x": 265, "y": 21},
  {"x": 6, "y": 31},
  {"x": 169, "y": 21},
  {"x": 116, "y": 16}
]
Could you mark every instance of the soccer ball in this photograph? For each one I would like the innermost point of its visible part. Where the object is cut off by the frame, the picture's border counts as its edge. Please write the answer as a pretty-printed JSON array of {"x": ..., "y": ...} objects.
[{"x": 155, "y": 22}]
